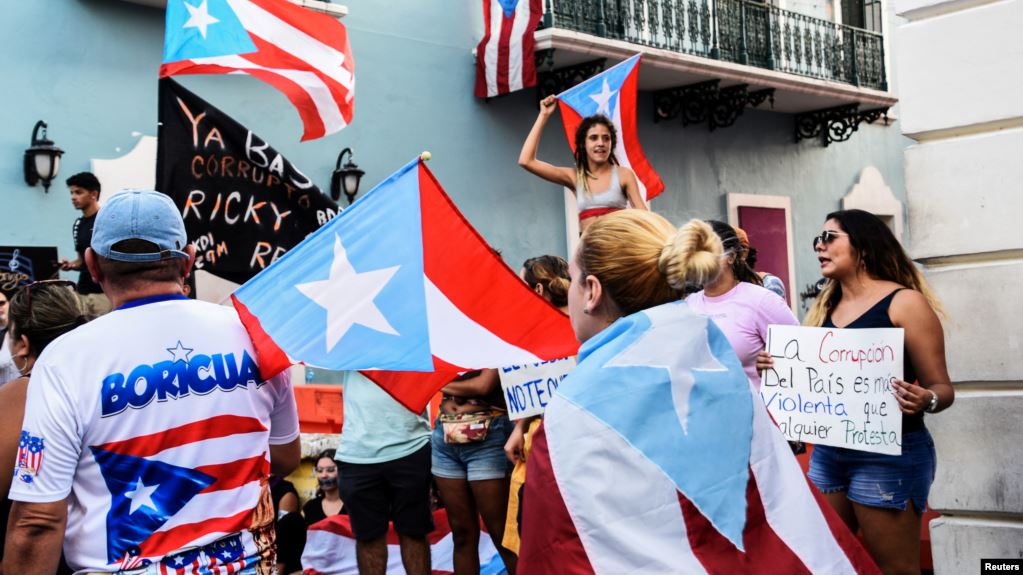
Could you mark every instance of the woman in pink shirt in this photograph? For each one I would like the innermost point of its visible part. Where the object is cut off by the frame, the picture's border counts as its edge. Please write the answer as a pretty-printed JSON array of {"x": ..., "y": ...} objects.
[{"x": 736, "y": 301}]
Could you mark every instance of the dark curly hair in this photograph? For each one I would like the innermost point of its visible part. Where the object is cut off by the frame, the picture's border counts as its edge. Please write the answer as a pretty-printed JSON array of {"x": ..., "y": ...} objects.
[{"x": 582, "y": 164}]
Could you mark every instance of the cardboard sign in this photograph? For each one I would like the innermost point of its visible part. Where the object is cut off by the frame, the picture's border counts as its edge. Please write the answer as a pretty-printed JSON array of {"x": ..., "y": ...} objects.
[
  {"x": 528, "y": 388},
  {"x": 834, "y": 386}
]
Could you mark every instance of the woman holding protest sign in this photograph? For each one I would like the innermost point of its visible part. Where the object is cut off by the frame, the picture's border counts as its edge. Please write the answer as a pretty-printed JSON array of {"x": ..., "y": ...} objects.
[
  {"x": 872, "y": 283},
  {"x": 470, "y": 466},
  {"x": 601, "y": 185},
  {"x": 738, "y": 303},
  {"x": 654, "y": 456}
]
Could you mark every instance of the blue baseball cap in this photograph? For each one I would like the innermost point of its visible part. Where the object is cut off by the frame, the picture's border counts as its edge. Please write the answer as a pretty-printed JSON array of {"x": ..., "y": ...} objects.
[{"x": 139, "y": 215}]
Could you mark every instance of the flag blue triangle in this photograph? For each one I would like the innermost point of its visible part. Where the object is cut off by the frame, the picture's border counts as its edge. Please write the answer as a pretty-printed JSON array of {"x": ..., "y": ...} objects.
[
  {"x": 203, "y": 29},
  {"x": 155, "y": 489}
]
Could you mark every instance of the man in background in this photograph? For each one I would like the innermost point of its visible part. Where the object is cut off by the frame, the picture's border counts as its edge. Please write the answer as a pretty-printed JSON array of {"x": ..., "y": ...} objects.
[{"x": 85, "y": 189}]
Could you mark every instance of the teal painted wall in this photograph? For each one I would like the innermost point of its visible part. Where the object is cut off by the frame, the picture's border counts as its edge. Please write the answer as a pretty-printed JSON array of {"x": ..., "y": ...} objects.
[{"x": 89, "y": 68}]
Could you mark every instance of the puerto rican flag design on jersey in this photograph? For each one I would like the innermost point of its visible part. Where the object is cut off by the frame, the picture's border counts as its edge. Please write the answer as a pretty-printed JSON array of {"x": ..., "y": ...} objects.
[
  {"x": 157, "y": 506},
  {"x": 613, "y": 94},
  {"x": 656, "y": 455},
  {"x": 398, "y": 281},
  {"x": 504, "y": 57},
  {"x": 302, "y": 53}
]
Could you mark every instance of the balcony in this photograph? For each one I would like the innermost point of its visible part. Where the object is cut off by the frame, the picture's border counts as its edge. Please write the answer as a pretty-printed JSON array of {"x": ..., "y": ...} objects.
[{"x": 809, "y": 65}]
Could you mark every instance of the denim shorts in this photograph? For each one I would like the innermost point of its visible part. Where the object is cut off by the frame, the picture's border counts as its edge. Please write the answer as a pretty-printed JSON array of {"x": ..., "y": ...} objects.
[
  {"x": 473, "y": 461},
  {"x": 875, "y": 479}
]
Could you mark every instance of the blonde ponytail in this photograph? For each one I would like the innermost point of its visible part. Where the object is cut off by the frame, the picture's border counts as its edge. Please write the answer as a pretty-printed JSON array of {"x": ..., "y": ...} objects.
[{"x": 692, "y": 256}]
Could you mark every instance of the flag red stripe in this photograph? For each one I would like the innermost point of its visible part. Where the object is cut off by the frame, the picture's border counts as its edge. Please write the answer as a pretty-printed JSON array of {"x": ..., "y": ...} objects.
[
  {"x": 325, "y": 29},
  {"x": 271, "y": 55},
  {"x": 163, "y": 542},
  {"x": 550, "y": 543},
  {"x": 570, "y": 119},
  {"x": 414, "y": 389},
  {"x": 529, "y": 44},
  {"x": 235, "y": 473},
  {"x": 481, "y": 65},
  {"x": 765, "y": 552},
  {"x": 451, "y": 246},
  {"x": 271, "y": 358},
  {"x": 504, "y": 52},
  {"x": 637, "y": 159},
  {"x": 312, "y": 124},
  {"x": 212, "y": 428}
]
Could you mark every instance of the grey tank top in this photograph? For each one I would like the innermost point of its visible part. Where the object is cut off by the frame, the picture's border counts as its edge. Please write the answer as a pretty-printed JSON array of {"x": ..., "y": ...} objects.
[{"x": 613, "y": 197}]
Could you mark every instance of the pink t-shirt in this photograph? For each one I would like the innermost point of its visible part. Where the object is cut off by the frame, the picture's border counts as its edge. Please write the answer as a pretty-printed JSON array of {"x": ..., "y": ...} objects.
[{"x": 743, "y": 314}]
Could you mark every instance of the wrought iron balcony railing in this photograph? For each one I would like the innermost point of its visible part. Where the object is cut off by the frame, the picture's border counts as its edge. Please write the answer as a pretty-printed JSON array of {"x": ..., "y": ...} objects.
[{"x": 740, "y": 31}]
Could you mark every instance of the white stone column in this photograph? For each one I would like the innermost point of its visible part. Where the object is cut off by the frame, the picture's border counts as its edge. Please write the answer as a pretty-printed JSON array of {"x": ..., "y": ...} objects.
[{"x": 960, "y": 77}]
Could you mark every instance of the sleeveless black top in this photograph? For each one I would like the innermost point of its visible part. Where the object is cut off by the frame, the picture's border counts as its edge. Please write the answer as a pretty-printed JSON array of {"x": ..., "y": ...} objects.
[{"x": 877, "y": 316}]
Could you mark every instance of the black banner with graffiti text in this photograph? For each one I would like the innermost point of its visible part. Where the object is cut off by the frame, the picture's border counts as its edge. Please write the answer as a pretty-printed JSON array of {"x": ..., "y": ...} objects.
[{"x": 243, "y": 203}]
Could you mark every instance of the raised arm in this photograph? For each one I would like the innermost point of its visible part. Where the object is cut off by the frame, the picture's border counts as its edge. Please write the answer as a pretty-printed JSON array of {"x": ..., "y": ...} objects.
[
  {"x": 527, "y": 157},
  {"x": 482, "y": 384},
  {"x": 631, "y": 185}
]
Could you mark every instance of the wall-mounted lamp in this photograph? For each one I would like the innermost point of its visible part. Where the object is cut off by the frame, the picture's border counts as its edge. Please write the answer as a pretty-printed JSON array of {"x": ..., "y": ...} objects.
[
  {"x": 345, "y": 179},
  {"x": 42, "y": 159}
]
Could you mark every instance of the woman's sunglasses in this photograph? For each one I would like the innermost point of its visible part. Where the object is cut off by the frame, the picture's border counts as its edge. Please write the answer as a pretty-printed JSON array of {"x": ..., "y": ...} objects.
[
  {"x": 826, "y": 237},
  {"x": 54, "y": 283}
]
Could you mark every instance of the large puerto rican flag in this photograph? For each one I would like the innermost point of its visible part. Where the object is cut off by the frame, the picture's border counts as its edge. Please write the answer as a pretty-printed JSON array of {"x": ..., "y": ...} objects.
[
  {"x": 330, "y": 549},
  {"x": 302, "y": 53},
  {"x": 613, "y": 94},
  {"x": 657, "y": 456},
  {"x": 504, "y": 58},
  {"x": 399, "y": 281}
]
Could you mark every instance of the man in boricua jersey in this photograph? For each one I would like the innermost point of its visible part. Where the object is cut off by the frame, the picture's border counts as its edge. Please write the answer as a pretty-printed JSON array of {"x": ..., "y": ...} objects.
[{"x": 152, "y": 432}]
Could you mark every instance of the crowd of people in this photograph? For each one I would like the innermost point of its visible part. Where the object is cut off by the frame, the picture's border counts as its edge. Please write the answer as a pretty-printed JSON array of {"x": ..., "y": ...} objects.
[{"x": 106, "y": 450}]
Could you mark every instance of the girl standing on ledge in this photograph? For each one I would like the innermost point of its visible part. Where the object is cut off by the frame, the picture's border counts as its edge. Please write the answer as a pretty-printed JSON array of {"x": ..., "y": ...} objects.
[{"x": 601, "y": 185}]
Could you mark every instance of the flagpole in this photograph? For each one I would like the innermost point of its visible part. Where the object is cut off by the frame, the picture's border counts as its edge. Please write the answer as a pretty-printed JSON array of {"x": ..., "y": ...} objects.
[{"x": 160, "y": 93}]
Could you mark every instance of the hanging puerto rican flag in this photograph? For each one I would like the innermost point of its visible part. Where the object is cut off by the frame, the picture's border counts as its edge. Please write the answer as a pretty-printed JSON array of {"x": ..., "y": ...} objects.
[
  {"x": 330, "y": 549},
  {"x": 704, "y": 482},
  {"x": 398, "y": 281},
  {"x": 613, "y": 94},
  {"x": 504, "y": 58},
  {"x": 302, "y": 53}
]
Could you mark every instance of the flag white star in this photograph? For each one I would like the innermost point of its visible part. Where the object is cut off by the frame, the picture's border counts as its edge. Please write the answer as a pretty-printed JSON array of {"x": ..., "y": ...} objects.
[
  {"x": 179, "y": 560},
  {"x": 180, "y": 352},
  {"x": 199, "y": 17},
  {"x": 348, "y": 295},
  {"x": 141, "y": 495},
  {"x": 689, "y": 352},
  {"x": 603, "y": 99}
]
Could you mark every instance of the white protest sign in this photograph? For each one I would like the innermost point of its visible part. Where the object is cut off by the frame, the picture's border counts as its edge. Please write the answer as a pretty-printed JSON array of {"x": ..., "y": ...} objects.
[
  {"x": 834, "y": 386},
  {"x": 528, "y": 388}
]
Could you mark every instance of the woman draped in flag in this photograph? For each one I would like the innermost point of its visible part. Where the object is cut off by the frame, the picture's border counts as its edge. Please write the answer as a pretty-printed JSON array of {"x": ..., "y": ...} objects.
[
  {"x": 655, "y": 456},
  {"x": 601, "y": 184}
]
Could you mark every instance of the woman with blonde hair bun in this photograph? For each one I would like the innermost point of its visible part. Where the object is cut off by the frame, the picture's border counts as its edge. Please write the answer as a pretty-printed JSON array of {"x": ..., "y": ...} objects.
[{"x": 653, "y": 456}]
